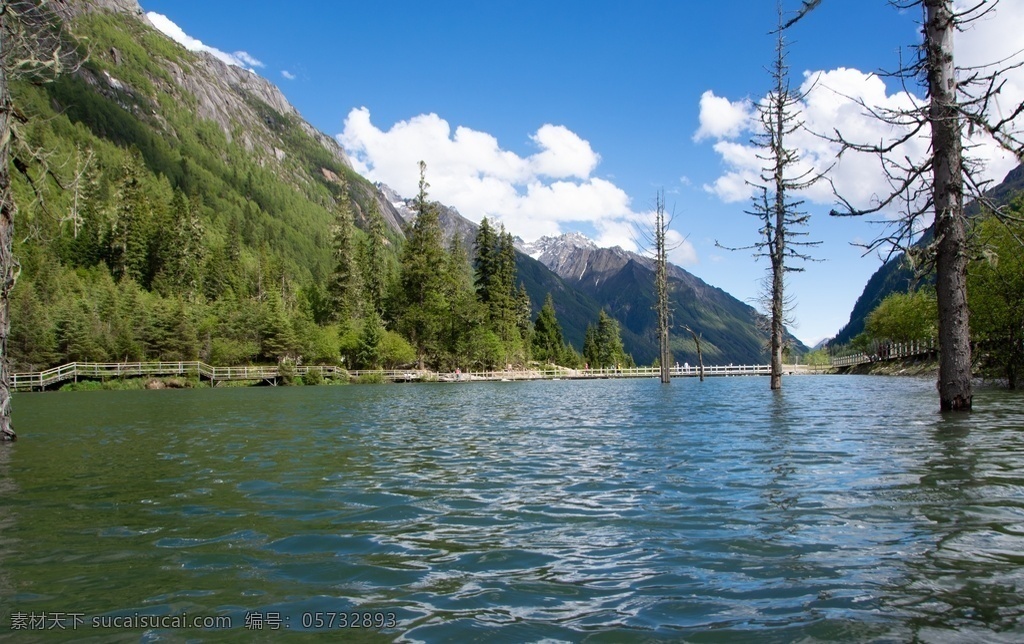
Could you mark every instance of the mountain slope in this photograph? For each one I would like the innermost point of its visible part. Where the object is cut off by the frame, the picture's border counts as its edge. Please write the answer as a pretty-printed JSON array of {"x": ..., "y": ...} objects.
[{"x": 623, "y": 283}]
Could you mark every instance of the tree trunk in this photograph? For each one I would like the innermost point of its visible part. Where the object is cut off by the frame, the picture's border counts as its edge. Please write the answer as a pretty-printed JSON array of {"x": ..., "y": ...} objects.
[
  {"x": 950, "y": 224},
  {"x": 8, "y": 267},
  {"x": 661, "y": 277},
  {"x": 777, "y": 249},
  {"x": 700, "y": 356}
]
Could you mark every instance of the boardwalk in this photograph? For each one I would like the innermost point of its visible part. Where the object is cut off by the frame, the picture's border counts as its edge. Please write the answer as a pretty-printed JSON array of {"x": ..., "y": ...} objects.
[
  {"x": 272, "y": 375},
  {"x": 888, "y": 351}
]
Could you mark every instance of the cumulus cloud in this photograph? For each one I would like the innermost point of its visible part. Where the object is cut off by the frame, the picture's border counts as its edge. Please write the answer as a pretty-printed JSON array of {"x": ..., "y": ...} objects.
[
  {"x": 681, "y": 251},
  {"x": 287, "y": 74},
  {"x": 174, "y": 32},
  {"x": 832, "y": 103},
  {"x": 545, "y": 193},
  {"x": 721, "y": 118}
]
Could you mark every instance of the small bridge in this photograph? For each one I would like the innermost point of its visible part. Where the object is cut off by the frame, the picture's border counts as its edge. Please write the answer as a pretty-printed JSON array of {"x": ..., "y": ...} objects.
[
  {"x": 272, "y": 374},
  {"x": 106, "y": 371},
  {"x": 888, "y": 351}
]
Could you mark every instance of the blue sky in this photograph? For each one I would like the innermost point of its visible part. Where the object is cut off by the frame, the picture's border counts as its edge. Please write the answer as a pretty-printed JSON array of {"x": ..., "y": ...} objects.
[{"x": 561, "y": 116}]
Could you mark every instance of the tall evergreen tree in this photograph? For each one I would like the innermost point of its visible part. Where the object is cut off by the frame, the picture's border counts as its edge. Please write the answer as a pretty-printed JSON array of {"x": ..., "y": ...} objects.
[
  {"x": 375, "y": 266},
  {"x": 464, "y": 310},
  {"x": 421, "y": 287},
  {"x": 602, "y": 346},
  {"x": 129, "y": 238},
  {"x": 368, "y": 355},
  {"x": 485, "y": 260},
  {"x": 548, "y": 344},
  {"x": 345, "y": 282}
]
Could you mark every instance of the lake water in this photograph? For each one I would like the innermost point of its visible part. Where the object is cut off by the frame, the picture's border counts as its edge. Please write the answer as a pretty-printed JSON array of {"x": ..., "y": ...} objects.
[{"x": 842, "y": 508}]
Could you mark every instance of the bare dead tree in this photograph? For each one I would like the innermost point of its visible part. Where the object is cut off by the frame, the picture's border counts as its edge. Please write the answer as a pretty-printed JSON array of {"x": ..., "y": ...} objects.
[
  {"x": 934, "y": 188},
  {"x": 780, "y": 215},
  {"x": 700, "y": 356},
  {"x": 656, "y": 237},
  {"x": 32, "y": 47}
]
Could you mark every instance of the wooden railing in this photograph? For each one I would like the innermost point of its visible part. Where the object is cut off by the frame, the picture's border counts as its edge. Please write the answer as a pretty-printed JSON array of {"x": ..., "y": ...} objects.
[
  {"x": 104, "y": 371},
  {"x": 273, "y": 373},
  {"x": 888, "y": 351}
]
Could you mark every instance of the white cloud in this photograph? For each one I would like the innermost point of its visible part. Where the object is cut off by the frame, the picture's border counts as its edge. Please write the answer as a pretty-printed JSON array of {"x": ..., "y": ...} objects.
[
  {"x": 563, "y": 153},
  {"x": 546, "y": 193},
  {"x": 287, "y": 74},
  {"x": 681, "y": 251},
  {"x": 174, "y": 32},
  {"x": 721, "y": 118},
  {"x": 831, "y": 104}
]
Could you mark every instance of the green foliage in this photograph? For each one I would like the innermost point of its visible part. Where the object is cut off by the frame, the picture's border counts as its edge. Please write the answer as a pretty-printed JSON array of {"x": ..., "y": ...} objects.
[
  {"x": 995, "y": 289},
  {"x": 508, "y": 310},
  {"x": 422, "y": 303},
  {"x": 372, "y": 378},
  {"x": 313, "y": 377},
  {"x": 548, "y": 345},
  {"x": 817, "y": 359},
  {"x": 287, "y": 372},
  {"x": 904, "y": 317},
  {"x": 345, "y": 285},
  {"x": 395, "y": 351},
  {"x": 602, "y": 346},
  {"x": 374, "y": 255},
  {"x": 368, "y": 354}
]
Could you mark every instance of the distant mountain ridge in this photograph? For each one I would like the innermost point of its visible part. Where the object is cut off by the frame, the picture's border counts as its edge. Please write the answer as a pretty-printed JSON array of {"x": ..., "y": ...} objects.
[{"x": 584, "y": 278}]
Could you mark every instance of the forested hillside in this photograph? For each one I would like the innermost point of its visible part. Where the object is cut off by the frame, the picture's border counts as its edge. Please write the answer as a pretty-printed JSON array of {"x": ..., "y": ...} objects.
[
  {"x": 176, "y": 208},
  {"x": 162, "y": 234}
]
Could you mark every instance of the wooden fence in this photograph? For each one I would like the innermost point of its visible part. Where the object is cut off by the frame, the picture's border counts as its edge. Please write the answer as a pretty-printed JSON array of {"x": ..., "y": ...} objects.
[
  {"x": 272, "y": 374},
  {"x": 888, "y": 351}
]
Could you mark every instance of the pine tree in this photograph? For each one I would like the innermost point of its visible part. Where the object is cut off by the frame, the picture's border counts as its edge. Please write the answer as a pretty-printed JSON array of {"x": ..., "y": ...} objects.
[
  {"x": 548, "y": 344},
  {"x": 368, "y": 355},
  {"x": 344, "y": 286},
  {"x": 465, "y": 312},
  {"x": 129, "y": 241},
  {"x": 485, "y": 260},
  {"x": 420, "y": 288},
  {"x": 376, "y": 269},
  {"x": 602, "y": 346},
  {"x": 590, "y": 353},
  {"x": 609, "y": 342},
  {"x": 190, "y": 251}
]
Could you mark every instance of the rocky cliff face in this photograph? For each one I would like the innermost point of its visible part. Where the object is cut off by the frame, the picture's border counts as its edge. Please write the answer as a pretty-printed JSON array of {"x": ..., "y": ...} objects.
[{"x": 241, "y": 102}]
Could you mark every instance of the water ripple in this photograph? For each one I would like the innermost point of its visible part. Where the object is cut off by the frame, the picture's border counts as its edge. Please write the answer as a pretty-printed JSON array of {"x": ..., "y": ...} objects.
[{"x": 838, "y": 509}]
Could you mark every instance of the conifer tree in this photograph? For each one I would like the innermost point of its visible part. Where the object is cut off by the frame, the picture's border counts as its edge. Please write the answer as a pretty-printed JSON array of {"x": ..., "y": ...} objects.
[
  {"x": 375, "y": 276},
  {"x": 464, "y": 310},
  {"x": 548, "y": 344},
  {"x": 485, "y": 260},
  {"x": 609, "y": 341},
  {"x": 602, "y": 346},
  {"x": 421, "y": 288},
  {"x": 344, "y": 285},
  {"x": 368, "y": 355},
  {"x": 129, "y": 239}
]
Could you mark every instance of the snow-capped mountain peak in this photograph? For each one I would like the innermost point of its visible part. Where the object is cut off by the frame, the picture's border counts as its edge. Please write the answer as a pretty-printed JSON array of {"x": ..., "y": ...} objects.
[{"x": 549, "y": 246}]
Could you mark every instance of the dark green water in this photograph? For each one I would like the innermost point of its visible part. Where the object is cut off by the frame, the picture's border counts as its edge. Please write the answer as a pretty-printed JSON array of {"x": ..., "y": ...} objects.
[{"x": 840, "y": 509}]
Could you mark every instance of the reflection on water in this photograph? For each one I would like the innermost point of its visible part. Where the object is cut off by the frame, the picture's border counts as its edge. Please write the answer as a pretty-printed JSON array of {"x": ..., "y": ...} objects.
[{"x": 838, "y": 509}]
